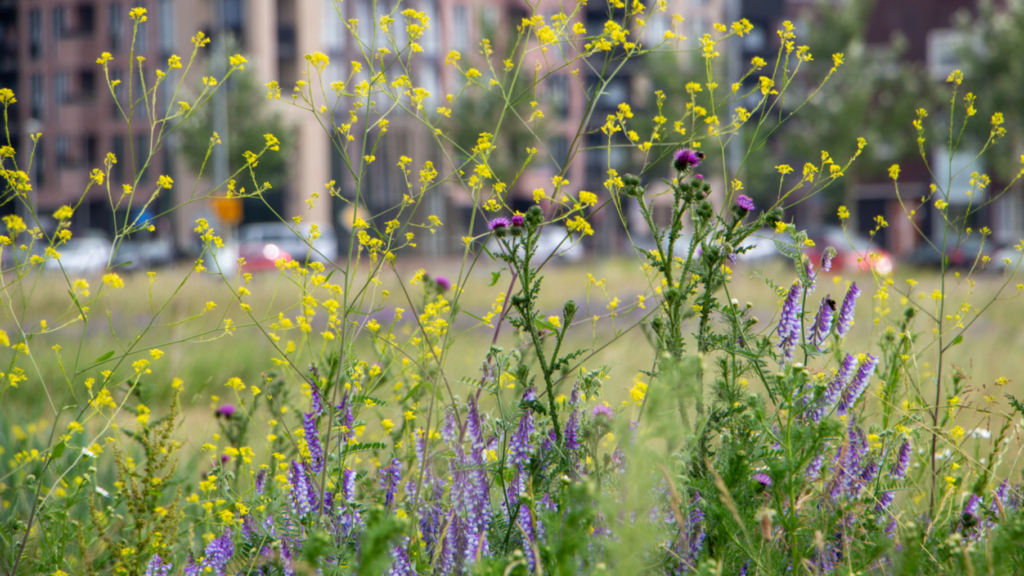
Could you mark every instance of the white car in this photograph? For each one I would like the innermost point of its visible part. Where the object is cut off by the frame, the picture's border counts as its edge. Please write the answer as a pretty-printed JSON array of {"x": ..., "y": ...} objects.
[
  {"x": 82, "y": 255},
  {"x": 292, "y": 240}
]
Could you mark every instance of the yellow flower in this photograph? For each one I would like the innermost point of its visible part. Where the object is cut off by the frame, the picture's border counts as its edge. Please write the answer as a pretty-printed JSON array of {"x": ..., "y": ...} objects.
[
  {"x": 555, "y": 321},
  {"x": 113, "y": 280},
  {"x": 957, "y": 433},
  {"x": 844, "y": 214},
  {"x": 388, "y": 425},
  {"x": 894, "y": 171}
]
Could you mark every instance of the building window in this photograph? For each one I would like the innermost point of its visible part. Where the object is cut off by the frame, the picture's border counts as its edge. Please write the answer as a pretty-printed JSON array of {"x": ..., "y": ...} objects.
[
  {"x": 429, "y": 38},
  {"x": 142, "y": 38},
  {"x": 334, "y": 27},
  {"x": 166, "y": 24},
  {"x": 38, "y": 96},
  {"x": 558, "y": 148},
  {"x": 118, "y": 99},
  {"x": 86, "y": 85},
  {"x": 84, "y": 21},
  {"x": 39, "y": 164},
  {"x": 63, "y": 152},
  {"x": 944, "y": 49},
  {"x": 366, "y": 29},
  {"x": 141, "y": 155},
  {"x": 35, "y": 33},
  {"x": 60, "y": 22},
  {"x": 61, "y": 89},
  {"x": 558, "y": 94},
  {"x": 90, "y": 150},
  {"x": 460, "y": 28},
  {"x": 116, "y": 24},
  {"x": 117, "y": 170}
]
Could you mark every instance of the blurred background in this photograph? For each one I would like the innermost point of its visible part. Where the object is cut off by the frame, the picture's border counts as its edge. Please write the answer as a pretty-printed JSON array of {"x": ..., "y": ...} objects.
[{"x": 897, "y": 57}]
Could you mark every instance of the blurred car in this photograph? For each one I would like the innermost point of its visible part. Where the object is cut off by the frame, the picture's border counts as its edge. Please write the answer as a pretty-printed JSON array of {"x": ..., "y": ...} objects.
[
  {"x": 962, "y": 255},
  {"x": 853, "y": 251},
  {"x": 259, "y": 257},
  {"x": 1007, "y": 258},
  {"x": 88, "y": 253},
  {"x": 291, "y": 241},
  {"x": 554, "y": 243},
  {"x": 761, "y": 246},
  {"x": 144, "y": 254}
]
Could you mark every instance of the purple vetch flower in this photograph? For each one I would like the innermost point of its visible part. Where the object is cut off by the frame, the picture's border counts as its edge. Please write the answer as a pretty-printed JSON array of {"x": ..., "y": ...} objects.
[
  {"x": 685, "y": 158},
  {"x": 858, "y": 385},
  {"x": 312, "y": 434},
  {"x": 847, "y": 310},
  {"x": 1000, "y": 496},
  {"x": 225, "y": 411},
  {"x": 899, "y": 467},
  {"x": 789, "y": 321},
  {"x": 449, "y": 430},
  {"x": 390, "y": 476},
  {"x": 302, "y": 489},
  {"x": 826, "y": 260},
  {"x": 745, "y": 202},
  {"x": 870, "y": 471},
  {"x": 519, "y": 448},
  {"x": 814, "y": 468},
  {"x": 157, "y": 567},
  {"x": 261, "y": 481},
  {"x": 400, "y": 565},
  {"x": 218, "y": 553},
  {"x": 348, "y": 485},
  {"x": 191, "y": 568},
  {"x": 835, "y": 388},
  {"x": 499, "y": 223},
  {"x": 763, "y": 479},
  {"x": 809, "y": 270},
  {"x": 525, "y": 520},
  {"x": 443, "y": 284},
  {"x": 823, "y": 322},
  {"x": 884, "y": 500},
  {"x": 972, "y": 505},
  {"x": 517, "y": 220},
  {"x": 572, "y": 426},
  {"x": 316, "y": 397}
]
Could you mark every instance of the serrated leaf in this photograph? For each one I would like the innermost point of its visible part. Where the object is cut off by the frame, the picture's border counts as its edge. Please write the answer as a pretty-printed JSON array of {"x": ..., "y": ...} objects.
[
  {"x": 495, "y": 276},
  {"x": 789, "y": 250}
]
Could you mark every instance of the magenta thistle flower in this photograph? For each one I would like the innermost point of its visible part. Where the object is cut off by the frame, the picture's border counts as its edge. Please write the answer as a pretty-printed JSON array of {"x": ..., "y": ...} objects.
[
  {"x": 517, "y": 219},
  {"x": 225, "y": 411},
  {"x": 763, "y": 479},
  {"x": 602, "y": 410},
  {"x": 847, "y": 310},
  {"x": 443, "y": 283},
  {"x": 499, "y": 222},
  {"x": 685, "y": 158},
  {"x": 745, "y": 202}
]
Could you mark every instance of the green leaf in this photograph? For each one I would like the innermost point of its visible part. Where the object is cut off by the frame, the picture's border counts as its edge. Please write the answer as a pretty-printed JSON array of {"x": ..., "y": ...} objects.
[
  {"x": 956, "y": 341},
  {"x": 104, "y": 358},
  {"x": 495, "y": 276},
  {"x": 58, "y": 450}
]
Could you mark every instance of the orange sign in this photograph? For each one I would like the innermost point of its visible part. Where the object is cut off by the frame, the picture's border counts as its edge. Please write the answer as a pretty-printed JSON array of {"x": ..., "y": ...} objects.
[{"x": 228, "y": 210}]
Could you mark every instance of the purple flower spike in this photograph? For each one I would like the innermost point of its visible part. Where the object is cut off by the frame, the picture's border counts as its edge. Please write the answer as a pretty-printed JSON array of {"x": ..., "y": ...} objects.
[
  {"x": 789, "y": 322},
  {"x": 517, "y": 219},
  {"x": 899, "y": 468},
  {"x": 884, "y": 499},
  {"x": 745, "y": 202},
  {"x": 157, "y": 567},
  {"x": 685, "y": 158},
  {"x": 971, "y": 508},
  {"x": 823, "y": 322},
  {"x": 302, "y": 489},
  {"x": 846, "y": 312},
  {"x": 826, "y": 260},
  {"x": 400, "y": 566},
  {"x": 390, "y": 476},
  {"x": 312, "y": 433},
  {"x": 261, "y": 481},
  {"x": 499, "y": 222},
  {"x": 763, "y": 479},
  {"x": 218, "y": 553},
  {"x": 225, "y": 411},
  {"x": 443, "y": 283},
  {"x": 520, "y": 447},
  {"x": 858, "y": 385}
]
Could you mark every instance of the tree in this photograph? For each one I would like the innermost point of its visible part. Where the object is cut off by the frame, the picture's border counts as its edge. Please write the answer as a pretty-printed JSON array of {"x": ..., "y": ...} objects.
[{"x": 249, "y": 118}]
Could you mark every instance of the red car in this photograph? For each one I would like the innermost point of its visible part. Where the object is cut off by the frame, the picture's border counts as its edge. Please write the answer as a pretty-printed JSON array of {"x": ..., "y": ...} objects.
[
  {"x": 853, "y": 251},
  {"x": 260, "y": 256}
]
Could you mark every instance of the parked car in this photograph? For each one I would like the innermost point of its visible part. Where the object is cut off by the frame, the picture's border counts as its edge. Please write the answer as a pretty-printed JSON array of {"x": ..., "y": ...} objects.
[
  {"x": 962, "y": 255},
  {"x": 853, "y": 251},
  {"x": 554, "y": 242},
  {"x": 144, "y": 254},
  {"x": 1007, "y": 258},
  {"x": 88, "y": 253},
  {"x": 291, "y": 240}
]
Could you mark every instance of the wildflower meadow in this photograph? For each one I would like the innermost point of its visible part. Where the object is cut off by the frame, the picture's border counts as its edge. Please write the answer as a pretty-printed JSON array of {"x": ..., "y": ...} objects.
[{"x": 364, "y": 416}]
